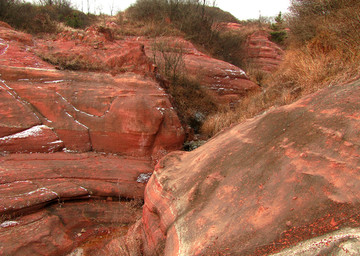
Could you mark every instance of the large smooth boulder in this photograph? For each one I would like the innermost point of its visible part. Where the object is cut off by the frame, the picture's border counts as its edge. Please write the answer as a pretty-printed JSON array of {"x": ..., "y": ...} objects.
[{"x": 286, "y": 176}]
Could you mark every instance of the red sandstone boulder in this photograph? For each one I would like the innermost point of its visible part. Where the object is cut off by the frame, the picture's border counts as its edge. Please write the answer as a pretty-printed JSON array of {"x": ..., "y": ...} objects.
[
  {"x": 262, "y": 53},
  {"x": 286, "y": 176}
]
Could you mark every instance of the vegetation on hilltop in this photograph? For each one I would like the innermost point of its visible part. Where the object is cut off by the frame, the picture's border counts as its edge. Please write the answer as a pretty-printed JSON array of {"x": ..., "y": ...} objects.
[
  {"x": 42, "y": 17},
  {"x": 195, "y": 19}
]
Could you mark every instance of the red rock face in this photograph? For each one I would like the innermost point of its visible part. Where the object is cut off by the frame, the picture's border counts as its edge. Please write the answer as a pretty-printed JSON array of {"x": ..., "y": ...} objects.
[
  {"x": 53, "y": 203},
  {"x": 262, "y": 53},
  {"x": 33, "y": 180},
  {"x": 229, "y": 26},
  {"x": 36, "y": 139},
  {"x": 60, "y": 228},
  {"x": 126, "y": 114},
  {"x": 58, "y": 187},
  {"x": 224, "y": 81},
  {"x": 280, "y": 178}
]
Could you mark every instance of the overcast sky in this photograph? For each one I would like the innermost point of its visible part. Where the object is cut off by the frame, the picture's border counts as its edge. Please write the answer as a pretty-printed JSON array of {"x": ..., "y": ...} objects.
[{"x": 241, "y": 9}]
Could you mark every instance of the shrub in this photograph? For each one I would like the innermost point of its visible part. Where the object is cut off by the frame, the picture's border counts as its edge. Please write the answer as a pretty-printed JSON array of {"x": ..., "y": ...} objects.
[
  {"x": 192, "y": 103},
  {"x": 168, "y": 56},
  {"x": 278, "y": 34}
]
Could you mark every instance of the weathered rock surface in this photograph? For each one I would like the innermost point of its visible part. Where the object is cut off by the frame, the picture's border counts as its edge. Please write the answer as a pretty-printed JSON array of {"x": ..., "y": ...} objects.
[
  {"x": 58, "y": 229},
  {"x": 36, "y": 139},
  {"x": 262, "y": 53},
  {"x": 286, "y": 176},
  {"x": 128, "y": 114},
  {"x": 229, "y": 26},
  {"x": 32, "y": 180},
  {"x": 52, "y": 203},
  {"x": 226, "y": 82}
]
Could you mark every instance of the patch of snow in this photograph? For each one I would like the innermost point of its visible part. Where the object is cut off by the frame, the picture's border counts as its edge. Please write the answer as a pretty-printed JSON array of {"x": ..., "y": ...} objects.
[
  {"x": 54, "y": 82},
  {"x": 33, "y": 131},
  {"x": 143, "y": 177},
  {"x": 68, "y": 150},
  {"x": 9, "y": 223},
  {"x": 83, "y": 188},
  {"x": 6, "y": 47},
  {"x": 56, "y": 142},
  {"x": 162, "y": 110}
]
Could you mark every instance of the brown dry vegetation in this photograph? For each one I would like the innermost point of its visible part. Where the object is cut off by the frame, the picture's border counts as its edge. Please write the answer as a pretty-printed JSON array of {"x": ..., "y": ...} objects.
[{"x": 323, "y": 50}]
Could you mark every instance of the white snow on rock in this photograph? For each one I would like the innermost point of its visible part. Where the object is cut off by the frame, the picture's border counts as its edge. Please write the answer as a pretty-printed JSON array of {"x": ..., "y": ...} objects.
[
  {"x": 33, "y": 131},
  {"x": 143, "y": 177},
  {"x": 9, "y": 223}
]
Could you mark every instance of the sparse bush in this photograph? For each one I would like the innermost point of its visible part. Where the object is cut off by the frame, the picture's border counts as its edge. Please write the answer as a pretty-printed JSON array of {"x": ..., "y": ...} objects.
[
  {"x": 229, "y": 46},
  {"x": 168, "y": 56},
  {"x": 190, "y": 100}
]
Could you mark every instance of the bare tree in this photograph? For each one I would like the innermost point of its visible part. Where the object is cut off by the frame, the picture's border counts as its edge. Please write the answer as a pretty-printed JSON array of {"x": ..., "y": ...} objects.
[{"x": 112, "y": 7}]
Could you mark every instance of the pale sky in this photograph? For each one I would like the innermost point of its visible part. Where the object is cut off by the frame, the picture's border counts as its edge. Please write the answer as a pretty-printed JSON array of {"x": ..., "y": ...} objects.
[{"x": 241, "y": 9}]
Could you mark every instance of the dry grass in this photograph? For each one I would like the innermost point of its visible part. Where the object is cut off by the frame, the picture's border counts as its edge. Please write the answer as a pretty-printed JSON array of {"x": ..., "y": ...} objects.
[
  {"x": 331, "y": 56},
  {"x": 72, "y": 62},
  {"x": 303, "y": 71}
]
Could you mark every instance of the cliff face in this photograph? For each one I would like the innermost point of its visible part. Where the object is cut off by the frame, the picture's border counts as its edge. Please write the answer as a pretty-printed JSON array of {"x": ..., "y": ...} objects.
[
  {"x": 104, "y": 125},
  {"x": 104, "y": 133},
  {"x": 127, "y": 114},
  {"x": 289, "y": 175}
]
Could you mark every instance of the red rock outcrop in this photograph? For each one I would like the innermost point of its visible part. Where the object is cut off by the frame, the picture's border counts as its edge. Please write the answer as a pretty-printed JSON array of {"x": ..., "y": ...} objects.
[
  {"x": 53, "y": 203},
  {"x": 262, "y": 53},
  {"x": 228, "y": 26},
  {"x": 33, "y": 180},
  {"x": 66, "y": 182},
  {"x": 36, "y": 139},
  {"x": 226, "y": 82},
  {"x": 59, "y": 228},
  {"x": 285, "y": 176},
  {"x": 128, "y": 114}
]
